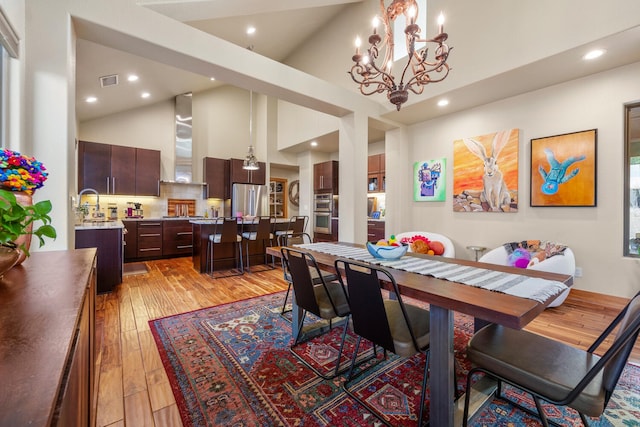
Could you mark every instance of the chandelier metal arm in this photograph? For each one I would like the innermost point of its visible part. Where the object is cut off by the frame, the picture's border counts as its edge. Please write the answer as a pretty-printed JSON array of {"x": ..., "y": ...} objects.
[{"x": 374, "y": 76}]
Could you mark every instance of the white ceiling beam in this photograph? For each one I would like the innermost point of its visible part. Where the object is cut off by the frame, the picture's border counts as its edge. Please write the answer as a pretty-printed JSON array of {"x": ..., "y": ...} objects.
[{"x": 196, "y": 10}]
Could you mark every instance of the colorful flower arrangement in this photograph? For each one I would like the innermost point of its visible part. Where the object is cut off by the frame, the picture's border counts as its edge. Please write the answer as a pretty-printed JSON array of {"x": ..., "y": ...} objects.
[{"x": 20, "y": 173}]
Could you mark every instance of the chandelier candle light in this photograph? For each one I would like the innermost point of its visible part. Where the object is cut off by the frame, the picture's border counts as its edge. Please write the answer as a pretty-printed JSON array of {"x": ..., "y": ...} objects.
[{"x": 372, "y": 71}]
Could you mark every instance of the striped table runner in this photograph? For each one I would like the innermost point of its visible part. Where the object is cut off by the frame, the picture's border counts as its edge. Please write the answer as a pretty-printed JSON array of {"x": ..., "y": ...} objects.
[{"x": 518, "y": 285}]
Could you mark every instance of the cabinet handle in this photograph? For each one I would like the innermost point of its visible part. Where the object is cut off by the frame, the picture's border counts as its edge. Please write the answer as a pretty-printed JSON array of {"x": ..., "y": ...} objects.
[
  {"x": 149, "y": 249},
  {"x": 184, "y": 246},
  {"x": 184, "y": 233},
  {"x": 113, "y": 185},
  {"x": 108, "y": 185},
  {"x": 149, "y": 224},
  {"x": 370, "y": 234},
  {"x": 149, "y": 235}
]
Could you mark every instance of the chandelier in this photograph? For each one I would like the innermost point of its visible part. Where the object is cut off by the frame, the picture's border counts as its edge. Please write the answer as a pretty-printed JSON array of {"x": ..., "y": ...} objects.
[
  {"x": 372, "y": 70},
  {"x": 250, "y": 162}
]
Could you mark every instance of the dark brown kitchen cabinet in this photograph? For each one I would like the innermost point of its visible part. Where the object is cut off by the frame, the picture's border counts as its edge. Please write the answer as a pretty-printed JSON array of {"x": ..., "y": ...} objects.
[
  {"x": 123, "y": 171},
  {"x": 130, "y": 240},
  {"x": 118, "y": 170},
  {"x": 177, "y": 237},
  {"x": 147, "y": 172},
  {"x": 325, "y": 177},
  {"x": 149, "y": 237},
  {"x": 110, "y": 256},
  {"x": 94, "y": 166},
  {"x": 375, "y": 231},
  {"x": 242, "y": 176},
  {"x": 216, "y": 176}
]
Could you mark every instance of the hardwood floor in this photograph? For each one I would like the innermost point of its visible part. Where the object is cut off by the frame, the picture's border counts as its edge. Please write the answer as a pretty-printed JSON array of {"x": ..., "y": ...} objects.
[{"x": 133, "y": 389}]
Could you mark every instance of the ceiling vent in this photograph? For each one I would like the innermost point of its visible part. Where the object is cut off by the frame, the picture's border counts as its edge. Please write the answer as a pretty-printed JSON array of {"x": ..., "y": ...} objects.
[{"x": 106, "y": 81}]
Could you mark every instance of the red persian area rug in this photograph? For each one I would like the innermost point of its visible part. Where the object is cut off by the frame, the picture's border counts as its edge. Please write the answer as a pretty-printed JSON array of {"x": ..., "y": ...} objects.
[{"x": 230, "y": 365}]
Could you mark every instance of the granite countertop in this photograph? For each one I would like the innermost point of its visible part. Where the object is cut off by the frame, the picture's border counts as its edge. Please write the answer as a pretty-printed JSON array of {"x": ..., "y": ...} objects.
[
  {"x": 375, "y": 219},
  {"x": 101, "y": 225},
  {"x": 203, "y": 220}
]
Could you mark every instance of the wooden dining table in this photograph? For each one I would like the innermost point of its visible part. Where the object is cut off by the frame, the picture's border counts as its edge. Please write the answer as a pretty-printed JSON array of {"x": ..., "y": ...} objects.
[{"x": 444, "y": 298}]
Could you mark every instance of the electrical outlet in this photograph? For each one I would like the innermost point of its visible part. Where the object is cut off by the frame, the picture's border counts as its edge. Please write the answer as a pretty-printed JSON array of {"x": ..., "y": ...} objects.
[{"x": 578, "y": 272}]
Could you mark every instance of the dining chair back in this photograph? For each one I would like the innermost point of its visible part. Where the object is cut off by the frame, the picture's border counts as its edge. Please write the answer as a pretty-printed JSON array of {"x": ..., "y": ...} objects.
[
  {"x": 225, "y": 232},
  {"x": 390, "y": 323},
  {"x": 553, "y": 371},
  {"x": 326, "y": 300},
  {"x": 299, "y": 239}
]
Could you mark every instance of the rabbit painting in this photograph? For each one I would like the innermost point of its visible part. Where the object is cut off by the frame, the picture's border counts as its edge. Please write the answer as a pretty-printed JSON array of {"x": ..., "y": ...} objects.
[{"x": 495, "y": 192}]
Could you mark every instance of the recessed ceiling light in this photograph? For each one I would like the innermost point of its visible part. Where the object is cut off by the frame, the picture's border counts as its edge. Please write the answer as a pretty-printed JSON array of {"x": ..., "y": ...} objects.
[
  {"x": 91, "y": 99},
  {"x": 443, "y": 103},
  {"x": 314, "y": 143},
  {"x": 145, "y": 94},
  {"x": 212, "y": 78},
  {"x": 132, "y": 77},
  {"x": 251, "y": 30},
  {"x": 596, "y": 53}
]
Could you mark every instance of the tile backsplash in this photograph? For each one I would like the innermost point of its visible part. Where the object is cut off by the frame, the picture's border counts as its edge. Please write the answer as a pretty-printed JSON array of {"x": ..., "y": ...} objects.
[{"x": 157, "y": 207}]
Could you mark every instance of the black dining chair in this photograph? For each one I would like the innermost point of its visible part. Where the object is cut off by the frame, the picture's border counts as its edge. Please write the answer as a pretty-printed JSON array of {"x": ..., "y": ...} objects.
[
  {"x": 397, "y": 327},
  {"x": 554, "y": 371},
  {"x": 297, "y": 224},
  {"x": 257, "y": 229},
  {"x": 225, "y": 232},
  {"x": 326, "y": 300},
  {"x": 300, "y": 239}
]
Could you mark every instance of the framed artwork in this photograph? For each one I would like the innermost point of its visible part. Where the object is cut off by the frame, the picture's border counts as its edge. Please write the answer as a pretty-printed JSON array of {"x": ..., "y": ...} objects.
[
  {"x": 485, "y": 172},
  {"x": 563, "y": 169},
  {"x": 429, "y": 180}
]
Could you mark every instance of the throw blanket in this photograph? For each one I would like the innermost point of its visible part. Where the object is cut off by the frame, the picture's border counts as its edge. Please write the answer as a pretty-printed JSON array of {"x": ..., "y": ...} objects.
[
  {"x": 513, "y": 284},
  {"x": 539, "y": 249}
]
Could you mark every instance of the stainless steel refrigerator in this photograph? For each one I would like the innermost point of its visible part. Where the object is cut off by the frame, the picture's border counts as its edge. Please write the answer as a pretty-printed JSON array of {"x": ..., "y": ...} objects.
[{"x": 249, "y": 199}]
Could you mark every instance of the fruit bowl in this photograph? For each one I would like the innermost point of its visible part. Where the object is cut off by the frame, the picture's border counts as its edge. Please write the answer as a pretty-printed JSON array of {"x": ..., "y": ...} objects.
[{"x": 387, "y": 252}]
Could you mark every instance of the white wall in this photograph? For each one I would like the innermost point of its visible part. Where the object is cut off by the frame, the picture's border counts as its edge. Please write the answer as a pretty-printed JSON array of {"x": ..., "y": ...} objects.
[{"x": 595, "y": 234}]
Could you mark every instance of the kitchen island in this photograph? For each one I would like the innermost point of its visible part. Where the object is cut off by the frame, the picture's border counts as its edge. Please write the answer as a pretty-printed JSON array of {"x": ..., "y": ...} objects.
[
  {"x": 107, "y": 237},
  {"x": 202, "y": 228}
]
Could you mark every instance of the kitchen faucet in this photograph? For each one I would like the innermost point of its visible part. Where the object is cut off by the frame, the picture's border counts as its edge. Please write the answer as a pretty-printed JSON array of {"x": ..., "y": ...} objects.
[{"x": 90, "y": 190}]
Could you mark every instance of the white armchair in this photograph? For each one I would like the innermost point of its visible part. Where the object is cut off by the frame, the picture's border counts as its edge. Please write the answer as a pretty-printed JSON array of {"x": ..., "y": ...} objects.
[
  {"x": 449, "y": 249},
  {"x": 562, "y": 264}
]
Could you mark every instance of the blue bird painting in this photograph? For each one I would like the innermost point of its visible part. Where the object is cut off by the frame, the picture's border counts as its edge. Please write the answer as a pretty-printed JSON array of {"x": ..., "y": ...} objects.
[{"x": 558, "y": 172}]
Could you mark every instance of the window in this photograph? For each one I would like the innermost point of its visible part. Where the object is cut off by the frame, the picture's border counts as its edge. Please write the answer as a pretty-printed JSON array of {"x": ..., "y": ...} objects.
[
  {"x": 632, "y": 180},
  {"x": 9, "y": 44}
]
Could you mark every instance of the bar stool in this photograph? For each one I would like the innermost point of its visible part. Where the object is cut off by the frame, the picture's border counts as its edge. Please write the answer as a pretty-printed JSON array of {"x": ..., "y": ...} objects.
[
  {"x": 297, "y": 225},
  {"x": 257, "y": 229},
  {"x": 226, "y": 231}
]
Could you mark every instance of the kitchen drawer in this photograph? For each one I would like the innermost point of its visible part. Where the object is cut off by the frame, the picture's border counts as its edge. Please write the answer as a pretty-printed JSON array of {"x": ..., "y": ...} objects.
[
  {"x": 149, "y": 239},
  {"x": 177, "y": 238}
]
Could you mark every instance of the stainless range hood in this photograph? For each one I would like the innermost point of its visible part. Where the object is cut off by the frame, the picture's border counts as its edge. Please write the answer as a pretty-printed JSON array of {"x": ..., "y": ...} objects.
[{"x": 183, "y": 173}]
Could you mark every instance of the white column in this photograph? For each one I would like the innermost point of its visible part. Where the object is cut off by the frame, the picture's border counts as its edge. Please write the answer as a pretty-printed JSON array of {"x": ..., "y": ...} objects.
[
  {"x": 353, "y": 134},
  {"x": 49, "y": 109}
]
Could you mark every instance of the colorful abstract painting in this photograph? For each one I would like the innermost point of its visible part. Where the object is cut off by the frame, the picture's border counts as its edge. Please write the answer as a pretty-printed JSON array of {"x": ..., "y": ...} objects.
[
  {"x": 429, "y": 180},
  {"x": 485, "y": 172},
  {"x": 563, "y": 169}
]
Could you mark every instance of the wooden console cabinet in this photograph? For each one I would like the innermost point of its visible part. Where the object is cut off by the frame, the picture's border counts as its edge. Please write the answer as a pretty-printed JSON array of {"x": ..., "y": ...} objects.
[{"x": 47, "y": 353}]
